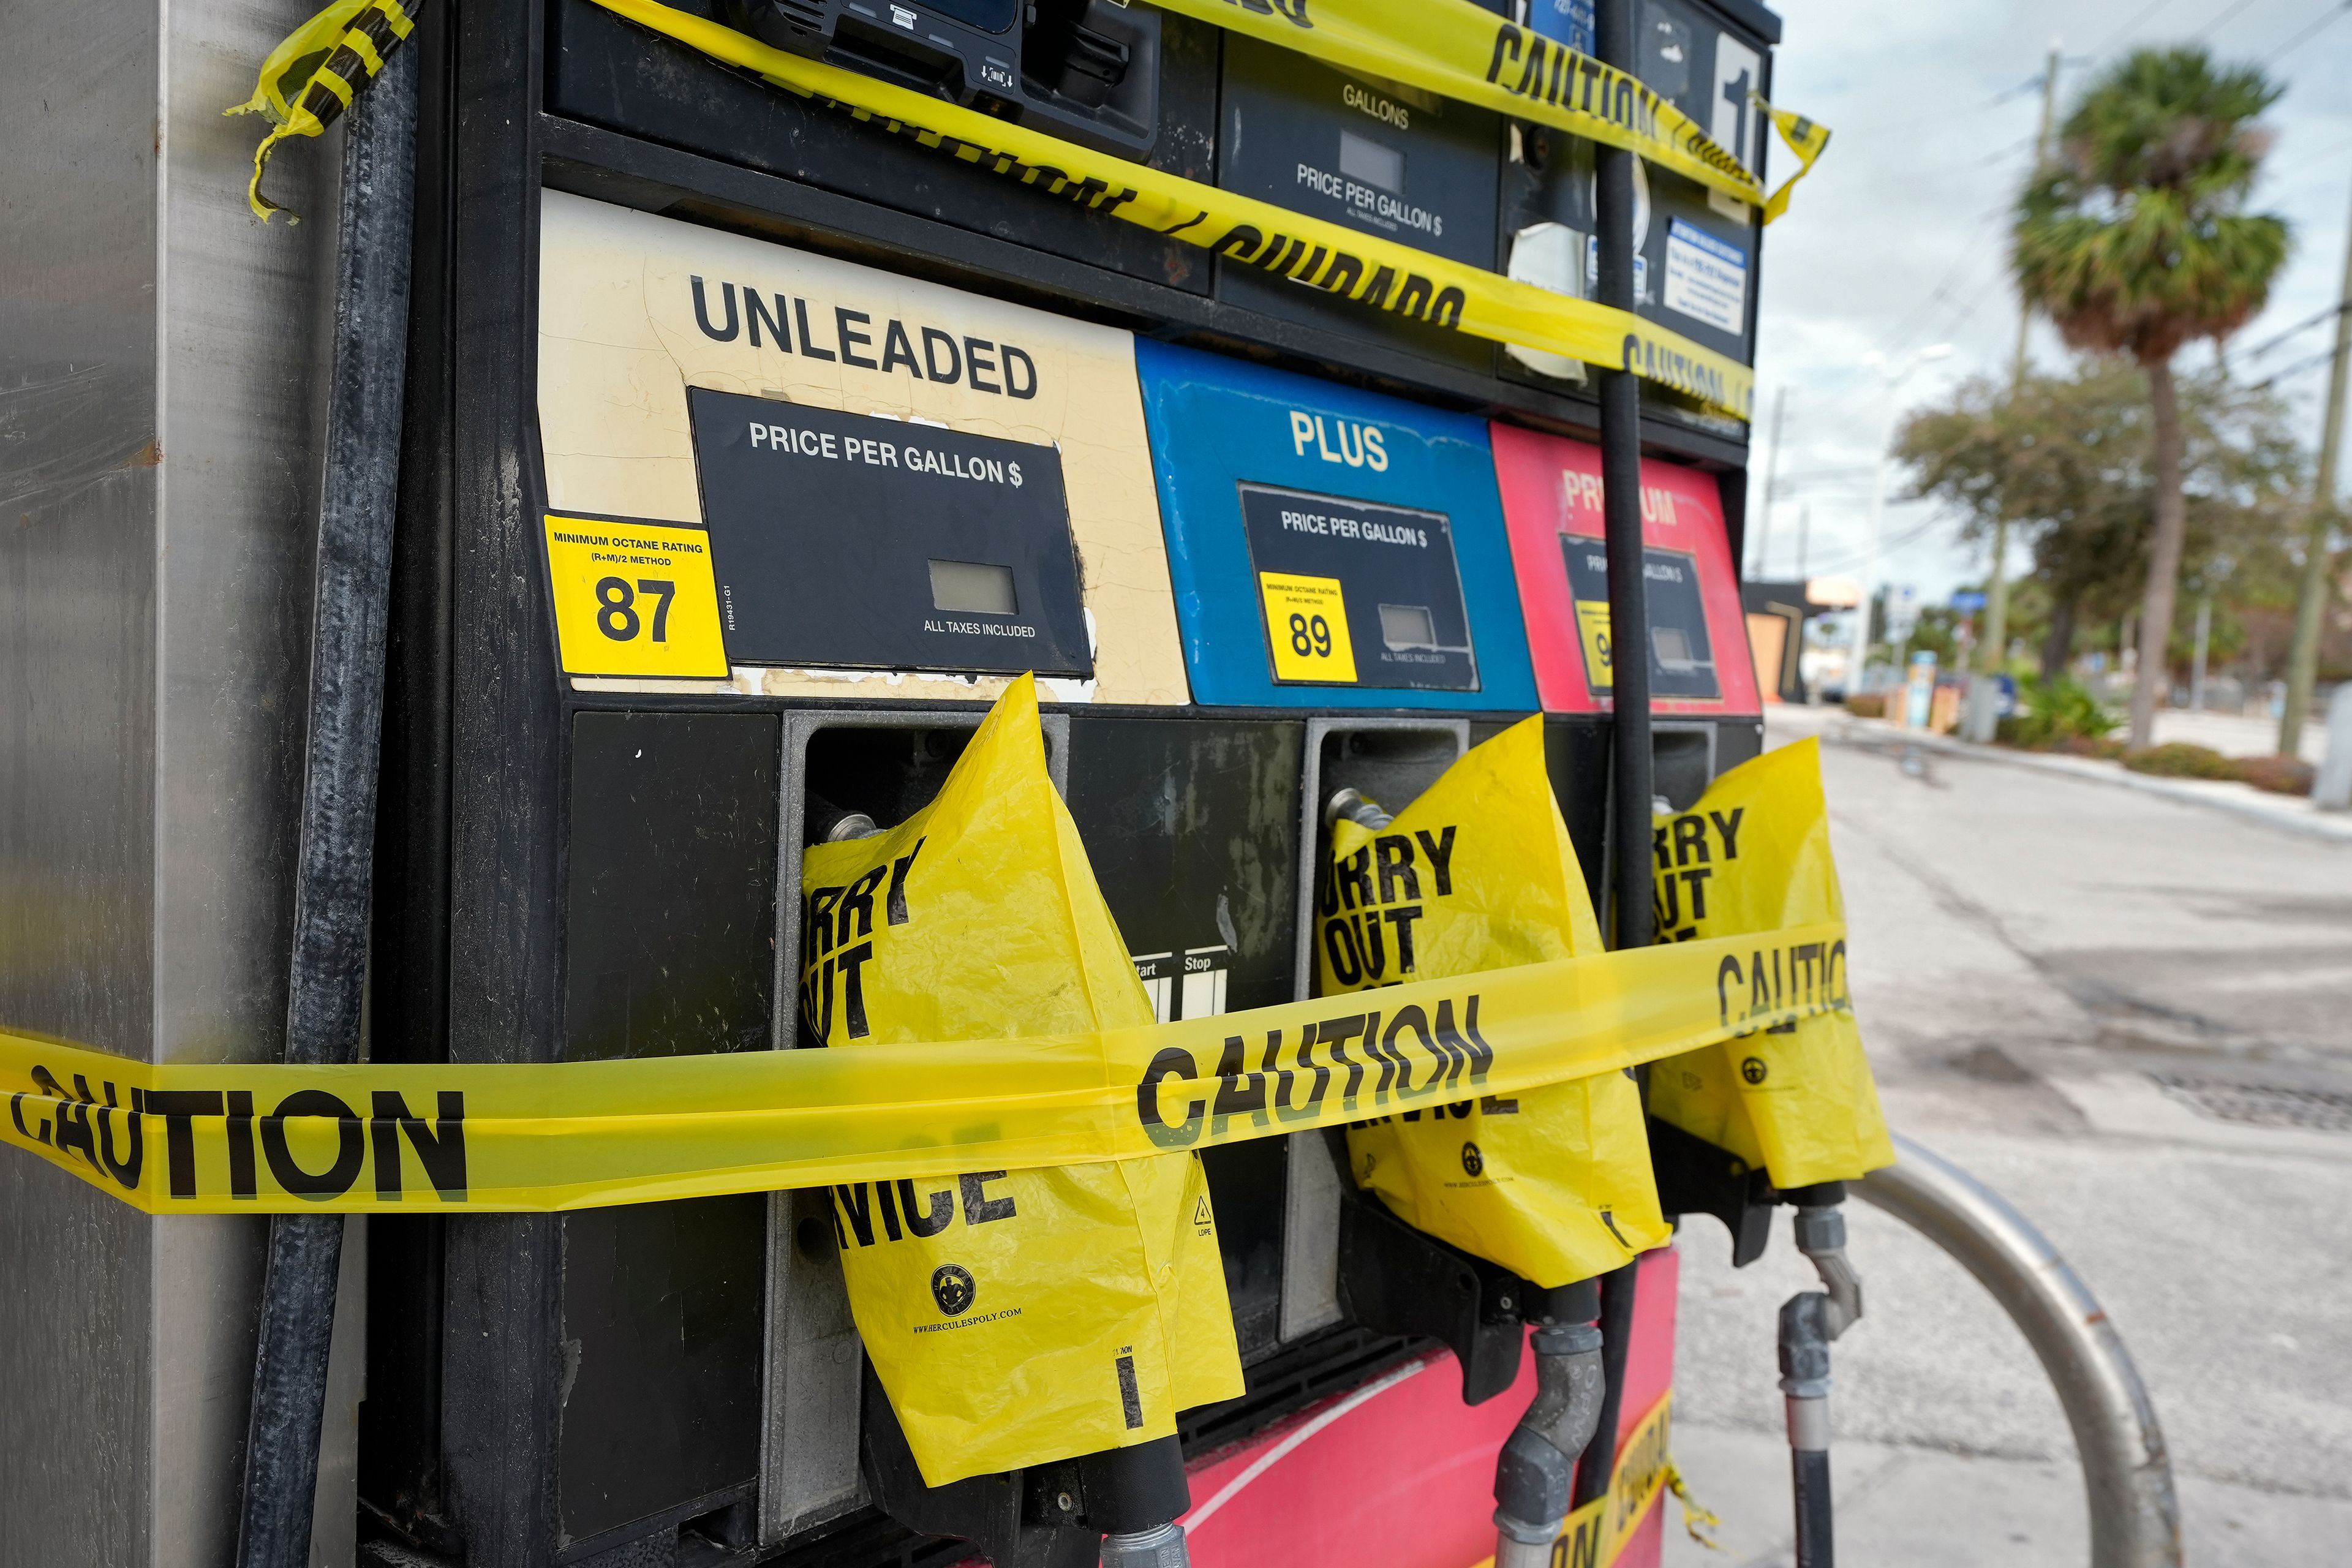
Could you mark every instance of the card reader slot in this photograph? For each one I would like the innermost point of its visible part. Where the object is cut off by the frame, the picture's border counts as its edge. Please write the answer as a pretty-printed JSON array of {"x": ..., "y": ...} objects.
[{"x": 896, "y": 57}]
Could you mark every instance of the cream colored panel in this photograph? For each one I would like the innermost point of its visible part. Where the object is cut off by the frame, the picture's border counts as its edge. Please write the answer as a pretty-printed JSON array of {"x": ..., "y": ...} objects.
[{"x": 620, "y": 342}]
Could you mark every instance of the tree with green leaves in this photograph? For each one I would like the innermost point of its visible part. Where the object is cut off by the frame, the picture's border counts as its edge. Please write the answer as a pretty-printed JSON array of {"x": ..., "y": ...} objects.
[
  {"x": 2070, "y": 460},
  {"x": 2135, "y": 241}
]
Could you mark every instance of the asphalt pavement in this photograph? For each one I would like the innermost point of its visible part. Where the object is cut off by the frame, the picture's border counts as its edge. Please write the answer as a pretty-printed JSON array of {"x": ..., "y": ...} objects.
[{"x": 2131, "y": 1015}]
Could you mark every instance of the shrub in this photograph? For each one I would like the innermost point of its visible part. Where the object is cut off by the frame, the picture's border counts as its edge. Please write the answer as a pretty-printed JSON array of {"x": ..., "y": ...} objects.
[
  {"x": 2053, "y": 713},
  {"x": 1867, "y": 705},
  {"x": 2280, "y": 775},
  {"x": 2183, "y": 760}
]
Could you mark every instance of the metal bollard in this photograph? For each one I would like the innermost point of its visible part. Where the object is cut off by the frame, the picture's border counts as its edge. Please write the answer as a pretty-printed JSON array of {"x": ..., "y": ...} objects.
[
  {"x": 2332, "y": 791},
  {"x": 2134, "y": 1515}
]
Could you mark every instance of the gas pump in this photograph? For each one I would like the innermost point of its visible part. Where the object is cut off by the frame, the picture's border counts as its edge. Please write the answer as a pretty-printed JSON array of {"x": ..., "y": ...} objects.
[
  {"x": 751, "y": 450},
  {"x": 1695, "y": 253},
  {"x": 1365, "y": 151}
]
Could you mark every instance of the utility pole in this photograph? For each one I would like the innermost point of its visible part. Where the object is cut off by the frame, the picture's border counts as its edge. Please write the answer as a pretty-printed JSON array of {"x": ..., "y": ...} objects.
[
  {"x": 1993, "y": 650},
  {"x": 1772, "y": 468},
  {"x": 2303, "y": 657},
  {"x": 1805, "y": 527},
  {"x": 2204, "y": 645}
]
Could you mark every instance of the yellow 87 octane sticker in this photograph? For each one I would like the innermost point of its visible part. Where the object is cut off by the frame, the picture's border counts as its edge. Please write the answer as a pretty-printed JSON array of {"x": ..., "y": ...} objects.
[
  {"x": 634, "y": 599},
  {"x": 1306, "y": 626}
]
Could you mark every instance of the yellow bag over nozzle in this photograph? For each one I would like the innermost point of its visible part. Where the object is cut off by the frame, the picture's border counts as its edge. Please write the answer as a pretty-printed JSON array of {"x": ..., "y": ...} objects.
[
  {"x": 1477, "y": 874},
  {"x": 1754, "y": 855},
  {"x": 1016, "y": 1319}
]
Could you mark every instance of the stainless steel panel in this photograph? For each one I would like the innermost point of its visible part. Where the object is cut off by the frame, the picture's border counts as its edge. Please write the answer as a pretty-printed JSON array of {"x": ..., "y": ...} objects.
[
  {"x": 1310, "y": 1237},
  {"x": 158, "y": 387},
  {"x": 811, "y": 1463}
]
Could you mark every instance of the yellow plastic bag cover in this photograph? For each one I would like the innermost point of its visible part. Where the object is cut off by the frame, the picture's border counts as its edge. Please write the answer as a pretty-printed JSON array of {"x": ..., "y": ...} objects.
[
  {"x": 1753, "y": 856},
  {"x": 1014, "y": 1319},
  {"x": 1478, "y": 874}
]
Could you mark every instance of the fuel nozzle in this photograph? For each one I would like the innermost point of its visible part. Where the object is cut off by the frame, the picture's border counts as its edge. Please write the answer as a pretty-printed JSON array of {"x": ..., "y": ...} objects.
[
  {"x": 1536, "y": 1470},
  {"x": 1349, "y": 805},
  {"x": 830, "y": 824},
  {"x": 1810, "y": 1322},
  {"x": 1134, "y": 1496}
]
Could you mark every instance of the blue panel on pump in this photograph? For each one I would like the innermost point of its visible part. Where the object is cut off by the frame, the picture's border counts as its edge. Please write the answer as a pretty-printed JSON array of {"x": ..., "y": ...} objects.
[{"x": 1330, "y": 548}]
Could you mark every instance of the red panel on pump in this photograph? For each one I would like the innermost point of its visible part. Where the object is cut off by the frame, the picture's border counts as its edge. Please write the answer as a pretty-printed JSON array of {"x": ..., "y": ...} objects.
[
  {"x": 1700, "y": 661},
  {"x": 1401, "y": 1473}
]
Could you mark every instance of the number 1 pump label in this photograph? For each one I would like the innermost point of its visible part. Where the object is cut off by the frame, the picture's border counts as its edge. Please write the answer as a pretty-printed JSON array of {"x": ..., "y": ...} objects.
[
  {"x": 634, "y": 599},
  {"x": 1307, "y": 626}
]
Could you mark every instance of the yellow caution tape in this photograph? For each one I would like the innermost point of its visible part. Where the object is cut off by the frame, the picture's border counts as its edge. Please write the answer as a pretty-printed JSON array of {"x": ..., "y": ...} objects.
[
  {"x": 1596, "y": 1535},
  {"x": 1372, "y": 271},
  {"x": 314, "y": 76},
  {"x": 1807, "y": 140},
  {"x": 1699, "y": 1521},
  {"x": 185, "y": 1138},
  {"x": 1464, "y": 52}
]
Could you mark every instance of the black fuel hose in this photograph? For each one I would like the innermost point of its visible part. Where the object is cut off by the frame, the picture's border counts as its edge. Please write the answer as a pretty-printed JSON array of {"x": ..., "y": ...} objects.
[
  {"x": 334, "y": 872},
  {"x": 1631, "y": 767}
]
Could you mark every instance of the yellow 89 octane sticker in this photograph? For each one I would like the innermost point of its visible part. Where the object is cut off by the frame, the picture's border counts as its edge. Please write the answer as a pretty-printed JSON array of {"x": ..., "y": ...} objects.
[
  {"x": 634, "y": 599},
  {"x": 1307, "y": 626}
]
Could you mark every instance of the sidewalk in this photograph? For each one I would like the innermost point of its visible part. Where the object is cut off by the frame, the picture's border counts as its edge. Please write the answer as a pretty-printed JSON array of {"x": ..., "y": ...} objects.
[
  {"x": 1929, "y": 1508},
  {"x": 2284, "y": 813},
  {"x": 2237, "y": 734}
]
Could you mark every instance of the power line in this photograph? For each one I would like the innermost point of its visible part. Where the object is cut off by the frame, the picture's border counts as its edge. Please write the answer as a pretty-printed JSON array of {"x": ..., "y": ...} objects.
[
  {"x": 2131, "y": 26},
  {"x": 2297, "y": 368},
  {"x": 2308, "y": 33},
  {"x": 2305, "y": 325},
  {"x": 2227, "y": 12},
  {"x": 1899, "y": 544},
  {"x": 1968, "y": 255}
]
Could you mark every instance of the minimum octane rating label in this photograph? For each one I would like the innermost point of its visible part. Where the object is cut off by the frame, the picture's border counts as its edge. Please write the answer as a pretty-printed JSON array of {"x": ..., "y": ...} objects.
[
  {"x": 1307, "y": 626},
  {"x": 1592, "y": 621},
  {"x": 634, "y": 599}
]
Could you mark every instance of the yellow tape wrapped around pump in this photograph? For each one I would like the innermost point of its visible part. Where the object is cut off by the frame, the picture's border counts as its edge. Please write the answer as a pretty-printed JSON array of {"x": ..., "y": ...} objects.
[
  {"x": 235, "y": 1138},
  {"x": 186, "y": 1138},
  {"x": 1465, "y": 52},
  {"x": 1794, "y": 1096},
  {"x": 1372, "y": 271},
  {"x": 1020, "y": 1317},
  {"x": 1478, "y": 875}
]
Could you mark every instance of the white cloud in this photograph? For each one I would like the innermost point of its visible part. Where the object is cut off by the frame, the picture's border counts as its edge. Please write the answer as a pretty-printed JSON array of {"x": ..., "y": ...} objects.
[{"x": 1898, "y": 239}]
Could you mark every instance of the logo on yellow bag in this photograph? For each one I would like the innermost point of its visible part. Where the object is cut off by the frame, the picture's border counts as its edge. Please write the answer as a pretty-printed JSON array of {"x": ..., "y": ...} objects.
[
  {"x": 953, "y": 1289},
  {"x": 1473, "y": 1161},
  {"x": 1753, "y": 1069}
]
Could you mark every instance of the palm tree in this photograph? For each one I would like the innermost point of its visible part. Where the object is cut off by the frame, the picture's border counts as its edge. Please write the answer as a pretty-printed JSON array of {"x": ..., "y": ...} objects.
[{"x": 2134, "y": 241}]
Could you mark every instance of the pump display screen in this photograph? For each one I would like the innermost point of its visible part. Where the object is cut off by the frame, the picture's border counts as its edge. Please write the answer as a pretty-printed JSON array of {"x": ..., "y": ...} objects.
[
  {"x": 847, "y": 539},
  {"x": 1682, "y": 660},
  {"x": 1356, "y": 594}
]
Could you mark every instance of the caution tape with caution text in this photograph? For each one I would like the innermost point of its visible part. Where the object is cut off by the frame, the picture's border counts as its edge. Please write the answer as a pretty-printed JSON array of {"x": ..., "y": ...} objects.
[
  {"x": 1380, "y": 274},
  {"x": 315, "y": 73},
  {"x": 185, "y": 1138},
  {"x": 1597, "y": 1534}
]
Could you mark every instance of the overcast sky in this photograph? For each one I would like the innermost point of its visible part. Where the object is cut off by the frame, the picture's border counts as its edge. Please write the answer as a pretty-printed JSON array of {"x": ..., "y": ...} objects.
[{"x": 1898, "y": 239}]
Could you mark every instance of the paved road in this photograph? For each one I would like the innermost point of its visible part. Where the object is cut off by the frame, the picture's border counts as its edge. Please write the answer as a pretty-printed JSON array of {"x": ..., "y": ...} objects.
[{"x": 2134, "y": 1018}]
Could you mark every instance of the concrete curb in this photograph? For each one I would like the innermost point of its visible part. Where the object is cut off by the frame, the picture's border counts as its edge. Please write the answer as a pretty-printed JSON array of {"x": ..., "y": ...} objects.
[{"x": 2239, "y": 800}]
